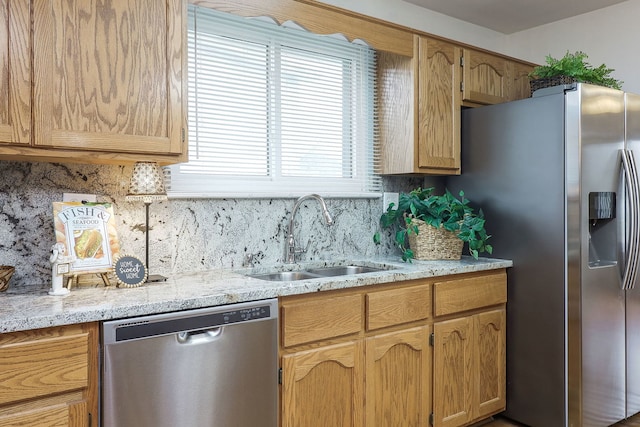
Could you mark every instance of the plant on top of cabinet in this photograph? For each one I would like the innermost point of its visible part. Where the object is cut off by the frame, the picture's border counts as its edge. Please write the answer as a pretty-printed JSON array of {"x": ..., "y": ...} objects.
[
  {"x": 422, "y": 211},
  {"x": 574, "y": 67}
]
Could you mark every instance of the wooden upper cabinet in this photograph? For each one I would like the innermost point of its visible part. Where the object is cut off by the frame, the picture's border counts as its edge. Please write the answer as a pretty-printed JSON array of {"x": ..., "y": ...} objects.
[
  {"x": 518, "y": 81},
  {"x": 421, "y": 99},
  {"x": 485, "y": 78},
  {"x": 439, "y": 106},
  {"x": 108, "y": 75},
  {"x": 15, "y": 72},
  {"x": 420, "y": 109}
]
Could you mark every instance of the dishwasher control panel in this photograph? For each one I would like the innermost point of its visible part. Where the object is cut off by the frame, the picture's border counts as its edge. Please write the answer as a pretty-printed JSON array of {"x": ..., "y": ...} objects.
[
  {"x": 199, "y": 319},
  {"x": 242, "y": 315}
]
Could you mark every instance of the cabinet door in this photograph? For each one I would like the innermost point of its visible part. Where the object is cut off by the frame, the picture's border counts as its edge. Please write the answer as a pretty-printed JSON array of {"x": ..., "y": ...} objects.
[
  {"x": 71, "y": 415},
  {"x": 484, "y": 78},
  {"x": 108, "y": 75},
  {"x": 453, "y": 372},
  {"x": 15, "y": 72},
  {"x": 398, "y": 378},
  {"x": 490, "y": 350},
  {"x": 439, "y": 107},
  {"x": 518, "y": 81},
  {"x": 49, "y": 377},
  {"x": 324, "y": 387}
]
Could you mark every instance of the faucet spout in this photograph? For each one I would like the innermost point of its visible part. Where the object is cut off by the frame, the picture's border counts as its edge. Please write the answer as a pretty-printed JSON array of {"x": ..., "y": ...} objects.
[{"x": 291, "y": 250}]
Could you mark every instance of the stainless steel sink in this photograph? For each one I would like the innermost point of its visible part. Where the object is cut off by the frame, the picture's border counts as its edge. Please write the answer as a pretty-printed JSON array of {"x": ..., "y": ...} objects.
[
  {"x": 285, "y": 276},
  {"x": 344, "y": 270},
  {"x": 315, "y": 273}
]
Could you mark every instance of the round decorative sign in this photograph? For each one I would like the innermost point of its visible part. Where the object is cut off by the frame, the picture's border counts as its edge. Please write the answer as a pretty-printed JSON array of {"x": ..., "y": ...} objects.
[{"x": 130, "y": 271}]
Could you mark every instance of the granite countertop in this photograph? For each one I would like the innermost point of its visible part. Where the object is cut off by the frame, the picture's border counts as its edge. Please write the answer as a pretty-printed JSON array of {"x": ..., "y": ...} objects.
[{"x": 23, "y": 308}]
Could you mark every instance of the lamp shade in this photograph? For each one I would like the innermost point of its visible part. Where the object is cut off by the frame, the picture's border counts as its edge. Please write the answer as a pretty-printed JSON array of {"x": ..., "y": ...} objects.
[{"x": 147, "y": 183}]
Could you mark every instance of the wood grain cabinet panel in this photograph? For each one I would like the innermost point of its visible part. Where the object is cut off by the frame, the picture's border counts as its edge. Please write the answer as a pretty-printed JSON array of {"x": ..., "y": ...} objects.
[
  {"x": 453, "y": 372},
  {"x": 518, "y": 86},
  {"x": 43, "y": 367},
  {"x": 324, "y": 387},
  {"x": 439, "y": 106},
  {"x": 490, "y": 354},
  {"x": 314, "y": 319},
  {"x": 15, "y": 72},
  {"x": 108, "y": 75},
  {"x": 398, "y": 378},
  {"x": 53, "y": 416},
  {"x": 455, "y": 296},
  {"x": 485, "y": 77},
  {"x": 397, "y": 306},
  {"x": 49, "y": 377},
  {"x": 397, "y": 111}
]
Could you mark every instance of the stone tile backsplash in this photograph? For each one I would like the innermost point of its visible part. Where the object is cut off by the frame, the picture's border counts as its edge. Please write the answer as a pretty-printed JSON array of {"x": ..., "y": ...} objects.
[{"x": 185, "y": 234}]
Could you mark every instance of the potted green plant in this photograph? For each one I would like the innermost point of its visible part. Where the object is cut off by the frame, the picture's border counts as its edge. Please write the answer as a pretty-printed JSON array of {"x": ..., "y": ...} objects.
[
  {"x": 422, "y": 212},
  {"x": 572, "y": 67}
]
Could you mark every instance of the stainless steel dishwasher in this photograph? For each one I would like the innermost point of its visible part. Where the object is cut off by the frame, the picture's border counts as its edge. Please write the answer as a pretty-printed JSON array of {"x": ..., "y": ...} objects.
[{"x": 207, "y": 367}]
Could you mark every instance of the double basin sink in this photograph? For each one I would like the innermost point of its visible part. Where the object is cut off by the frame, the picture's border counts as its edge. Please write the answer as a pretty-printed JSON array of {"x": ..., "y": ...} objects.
[{"x": 319, "y": 272}]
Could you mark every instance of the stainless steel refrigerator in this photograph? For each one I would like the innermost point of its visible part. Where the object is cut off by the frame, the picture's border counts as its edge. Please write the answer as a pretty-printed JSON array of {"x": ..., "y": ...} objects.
[{"x": 555, "y": 176}]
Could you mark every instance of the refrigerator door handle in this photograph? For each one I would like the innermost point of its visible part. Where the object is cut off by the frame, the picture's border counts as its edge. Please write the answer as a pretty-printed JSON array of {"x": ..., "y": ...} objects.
[
  {"x": 633, "y": 243},
  {"x": 635, "y": 212}
]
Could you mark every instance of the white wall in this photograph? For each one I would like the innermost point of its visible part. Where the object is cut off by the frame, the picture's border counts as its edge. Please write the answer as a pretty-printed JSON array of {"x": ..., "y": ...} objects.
[
  {"x": 412, "y": 16},
  {"x": 610, "y": 35}
]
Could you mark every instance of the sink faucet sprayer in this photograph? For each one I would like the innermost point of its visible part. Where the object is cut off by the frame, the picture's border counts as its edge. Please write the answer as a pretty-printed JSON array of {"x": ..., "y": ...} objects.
[{"x": 291, "y": 251}]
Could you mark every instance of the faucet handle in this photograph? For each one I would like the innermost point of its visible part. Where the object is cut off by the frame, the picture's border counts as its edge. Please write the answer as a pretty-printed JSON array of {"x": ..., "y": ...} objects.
[{"x": 304, "y": 251}]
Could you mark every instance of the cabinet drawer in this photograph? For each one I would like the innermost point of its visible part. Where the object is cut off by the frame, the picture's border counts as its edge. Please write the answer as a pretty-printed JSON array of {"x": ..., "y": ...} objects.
[
  {"x": 57, "y": 415},
  {"x": 397, "y": 306},
  {"x": 42, "y": 366},
  {"x": 467, "y": 294},
  {"x": 320, "y": 318}
]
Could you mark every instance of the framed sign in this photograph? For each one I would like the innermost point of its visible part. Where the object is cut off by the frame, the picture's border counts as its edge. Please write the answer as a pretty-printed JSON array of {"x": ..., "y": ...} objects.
[
  {"x": 130, "y": 272},
  {"x": 88, "y": 233}
]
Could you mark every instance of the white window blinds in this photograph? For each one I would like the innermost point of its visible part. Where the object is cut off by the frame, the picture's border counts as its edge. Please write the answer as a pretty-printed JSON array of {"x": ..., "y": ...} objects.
[{"x": 276, "y": 110}]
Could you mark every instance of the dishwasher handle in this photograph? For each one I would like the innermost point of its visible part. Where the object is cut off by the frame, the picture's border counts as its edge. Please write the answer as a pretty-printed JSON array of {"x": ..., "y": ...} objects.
[{"x": 199, "y": 337}]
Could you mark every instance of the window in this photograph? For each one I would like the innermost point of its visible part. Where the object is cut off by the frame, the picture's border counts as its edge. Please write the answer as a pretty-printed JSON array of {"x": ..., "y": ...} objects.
[{"x": 275, "y": 110}]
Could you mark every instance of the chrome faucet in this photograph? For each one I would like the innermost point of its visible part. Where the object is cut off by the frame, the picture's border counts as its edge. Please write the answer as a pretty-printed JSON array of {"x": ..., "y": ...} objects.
[{"x": 291, "y": 251}]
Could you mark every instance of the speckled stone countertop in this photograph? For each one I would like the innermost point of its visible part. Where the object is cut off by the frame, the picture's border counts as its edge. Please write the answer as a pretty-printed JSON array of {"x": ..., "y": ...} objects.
[{"x": 34, "y": 308}]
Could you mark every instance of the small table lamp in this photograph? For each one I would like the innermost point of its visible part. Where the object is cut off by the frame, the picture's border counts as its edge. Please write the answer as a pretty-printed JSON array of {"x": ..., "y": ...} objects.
[{"x": 147, "y": 185}]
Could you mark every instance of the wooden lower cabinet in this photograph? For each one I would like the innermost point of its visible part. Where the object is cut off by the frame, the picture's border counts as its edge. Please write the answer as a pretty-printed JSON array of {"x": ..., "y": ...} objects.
[
  {"x": 490, "y": 354},
  {"x": 469, "y": 368},
  {"x": 49, "y": 377},
  {"x": 415, "y": 353},
  {"x": 324, "y": 386},
  {"x": 398, "y": 378},
  {"x": 453, "y": 372}
]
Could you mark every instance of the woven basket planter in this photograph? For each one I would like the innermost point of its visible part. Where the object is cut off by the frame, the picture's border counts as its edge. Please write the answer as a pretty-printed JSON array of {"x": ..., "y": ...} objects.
[
  {"x": 434, "y": 243},
  {"x": 550, "y": 82}
]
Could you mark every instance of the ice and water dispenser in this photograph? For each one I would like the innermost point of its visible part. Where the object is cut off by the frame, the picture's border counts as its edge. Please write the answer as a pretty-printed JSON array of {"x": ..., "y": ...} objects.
[{"x": 602, "y": 229}]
